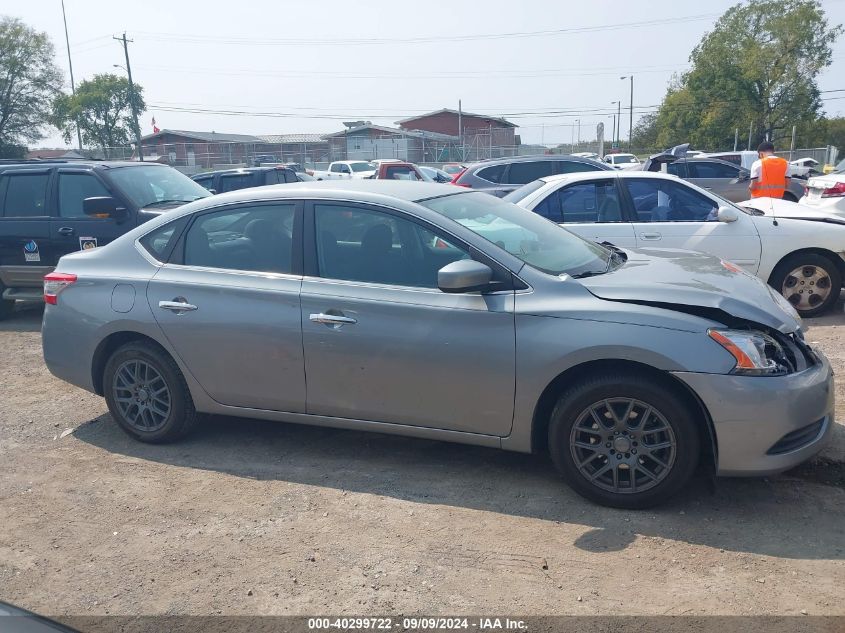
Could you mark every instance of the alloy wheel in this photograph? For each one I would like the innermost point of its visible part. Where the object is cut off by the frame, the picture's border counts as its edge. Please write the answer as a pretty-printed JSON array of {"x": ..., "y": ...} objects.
[
  {"x": 142, "y": 395},
  {"x": 623, "y": 445}
]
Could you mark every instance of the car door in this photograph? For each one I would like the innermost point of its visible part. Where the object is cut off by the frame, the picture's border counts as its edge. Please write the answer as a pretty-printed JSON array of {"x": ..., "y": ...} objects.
[
  {"x": 720, "y": 178},
  {"x": 668, "y": 213},
  {"x": 383, "y": 343},
  {"x": 228, "y": 303},
  {"x": 26, "y": 253},
  {"x": 70, "y": 228},
  {"x": 591, "y": 209}
]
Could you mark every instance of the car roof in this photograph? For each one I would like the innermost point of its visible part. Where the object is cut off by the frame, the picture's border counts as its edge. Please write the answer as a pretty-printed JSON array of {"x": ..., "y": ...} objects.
[
  {"x": 241, "y": 170},
  {"x": 532, "y": 157},
  {"x": 591, "y": 175},
  {"x": 407, "y": 190},
  {"x": 104, "y": 164}
]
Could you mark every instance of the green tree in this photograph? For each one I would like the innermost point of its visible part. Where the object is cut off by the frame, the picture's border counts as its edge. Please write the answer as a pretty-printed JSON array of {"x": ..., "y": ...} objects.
[
  {"x": 644, "y": 136},
  {"x": 757, "y": 67},
  {"x": 103, "y": 107},
  {"x": 29, "y": 79}
]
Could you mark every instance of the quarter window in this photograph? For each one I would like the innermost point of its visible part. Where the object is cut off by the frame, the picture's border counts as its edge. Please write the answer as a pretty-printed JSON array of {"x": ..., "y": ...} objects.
[
  {"x": 587, "y": 202},
  {"x": 73, "y": 189},
  {"x": 664, "y": 200},
  {"x": 256, "y": 239},
  {"x": 494, "y": 173},
  {"x": 356, "y": 244},
  {"x": 26, "y": 195}
]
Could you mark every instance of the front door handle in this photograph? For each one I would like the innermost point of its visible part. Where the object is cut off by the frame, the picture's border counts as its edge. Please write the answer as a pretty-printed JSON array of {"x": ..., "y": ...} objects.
[
  {"x": 66, "y": 230},
  {"x": 179, "y": 305},
  {"x": 335, "y": 320},
  {"x": 651, "y": 236}
]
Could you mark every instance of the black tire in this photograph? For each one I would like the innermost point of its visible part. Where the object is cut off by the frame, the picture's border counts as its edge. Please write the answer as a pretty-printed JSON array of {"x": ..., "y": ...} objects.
[
  {"x": 808, "y": 262},
  {"x": 180, "y": 416},
  {"x": 670, "y": 408}
]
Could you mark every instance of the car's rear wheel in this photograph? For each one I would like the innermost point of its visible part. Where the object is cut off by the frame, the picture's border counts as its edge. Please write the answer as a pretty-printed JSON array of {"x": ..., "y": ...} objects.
[
  {"x": 810, "y": 282},
  {"x": 624, "y": 440},
  {"x": 147, "y": 394}
]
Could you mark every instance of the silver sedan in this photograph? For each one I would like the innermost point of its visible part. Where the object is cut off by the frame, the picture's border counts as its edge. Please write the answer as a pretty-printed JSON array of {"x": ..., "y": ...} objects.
[{"x": 434, "y": 312}]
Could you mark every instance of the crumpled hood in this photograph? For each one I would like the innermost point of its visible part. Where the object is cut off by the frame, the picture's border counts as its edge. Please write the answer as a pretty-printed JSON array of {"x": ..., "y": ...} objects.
[{"x": 667, "y": 277}]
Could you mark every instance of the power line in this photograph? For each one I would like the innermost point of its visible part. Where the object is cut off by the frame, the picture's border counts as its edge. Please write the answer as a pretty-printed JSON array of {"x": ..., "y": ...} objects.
[{"x": 334, "y": 41}]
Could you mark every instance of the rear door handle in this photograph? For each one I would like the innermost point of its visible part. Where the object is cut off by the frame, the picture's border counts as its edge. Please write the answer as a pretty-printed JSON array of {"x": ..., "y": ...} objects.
[
  {"x": 651, "y": 236},
  {"x": 335, "y": 320},
  {"x": 178, "y": 305},
  {"x": 66, "y": 230}
]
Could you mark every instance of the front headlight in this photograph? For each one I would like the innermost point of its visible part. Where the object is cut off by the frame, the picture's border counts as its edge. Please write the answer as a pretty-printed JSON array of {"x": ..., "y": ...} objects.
[{"x": 756, "y": 353}]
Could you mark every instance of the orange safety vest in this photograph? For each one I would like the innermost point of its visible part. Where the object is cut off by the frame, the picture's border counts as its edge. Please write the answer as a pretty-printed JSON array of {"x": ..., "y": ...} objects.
[{"x": 772, "y": 181}]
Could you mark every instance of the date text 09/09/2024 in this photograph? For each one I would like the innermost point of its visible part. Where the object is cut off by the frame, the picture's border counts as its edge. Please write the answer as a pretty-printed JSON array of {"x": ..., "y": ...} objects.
[{"x": 416, "y": 623}]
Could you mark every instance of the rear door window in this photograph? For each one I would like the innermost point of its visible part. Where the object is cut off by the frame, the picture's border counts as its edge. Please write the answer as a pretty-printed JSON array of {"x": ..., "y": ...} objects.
[
  {"x": 572, "y": 166},
  {"x": 580, "y": 203},
  {"x": 525, "y": 172},
  {"x": 26, "y": 195},
  {"x": 234, "y": 182},
  {"x": 706, "y": 169}
]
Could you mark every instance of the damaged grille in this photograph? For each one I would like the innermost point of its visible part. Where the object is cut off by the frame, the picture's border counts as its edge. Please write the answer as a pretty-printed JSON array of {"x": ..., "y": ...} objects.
[{"x": 798, "y": 356}]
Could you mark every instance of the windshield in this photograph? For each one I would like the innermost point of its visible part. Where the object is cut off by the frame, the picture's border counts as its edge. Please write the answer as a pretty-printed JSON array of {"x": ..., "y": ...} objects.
[
  {"x": 524, "y": 191},
  {"x": 538, "y": 242},
  {"x": 154, "y": 184},
  {"x": 625, "y": 159},
  {"x": 362, "y": 167}
]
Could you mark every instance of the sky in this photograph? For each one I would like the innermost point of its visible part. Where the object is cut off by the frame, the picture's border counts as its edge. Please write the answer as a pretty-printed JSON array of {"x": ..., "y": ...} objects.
[{"x": 278, "y": 67}]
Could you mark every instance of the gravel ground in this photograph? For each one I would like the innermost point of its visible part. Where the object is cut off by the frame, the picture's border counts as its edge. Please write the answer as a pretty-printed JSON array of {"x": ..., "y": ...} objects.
[{"x": 249, "y": 517}]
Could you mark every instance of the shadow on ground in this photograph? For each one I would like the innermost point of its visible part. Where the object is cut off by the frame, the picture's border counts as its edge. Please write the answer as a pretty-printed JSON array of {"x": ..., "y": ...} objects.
[
  {"x": 783, "y": 516},
  {"x": 26, "y": 318}
]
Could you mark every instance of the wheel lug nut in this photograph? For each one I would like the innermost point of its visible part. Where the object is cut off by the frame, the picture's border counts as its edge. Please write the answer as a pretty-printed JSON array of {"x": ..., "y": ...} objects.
[
  {"x": 607, "y": 445},
  {"x": 618, "y": 455},
  {"x": 634, "y": 451}
]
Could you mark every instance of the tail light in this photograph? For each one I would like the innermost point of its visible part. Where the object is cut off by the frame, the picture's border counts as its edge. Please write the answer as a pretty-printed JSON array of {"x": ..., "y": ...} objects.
[
  {"x": 836, "y": 191},
  {"x": 54, "y": 283},
  {"x": 458, "y": 177}
]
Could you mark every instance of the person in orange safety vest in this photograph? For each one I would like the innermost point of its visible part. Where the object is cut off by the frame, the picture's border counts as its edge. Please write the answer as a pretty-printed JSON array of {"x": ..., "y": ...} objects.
[{"x": 769, "y": 174}]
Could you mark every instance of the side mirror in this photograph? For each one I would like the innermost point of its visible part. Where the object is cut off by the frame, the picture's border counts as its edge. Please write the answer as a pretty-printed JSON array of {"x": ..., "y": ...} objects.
[
  {"x": 464, "y": 275},
  {"x": 743, "y": 176},
  {"x": 727, "y": 214},
  {"x": 103, "y": 207}
]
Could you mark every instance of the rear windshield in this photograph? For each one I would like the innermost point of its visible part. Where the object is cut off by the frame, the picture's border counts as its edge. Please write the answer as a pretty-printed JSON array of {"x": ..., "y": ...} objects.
[{"x": 362, "y": 167}]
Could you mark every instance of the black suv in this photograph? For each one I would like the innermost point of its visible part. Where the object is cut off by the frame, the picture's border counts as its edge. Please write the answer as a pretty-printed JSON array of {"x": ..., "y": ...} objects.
[
  {"x": 500, "y": 176},
  {"x": 232, "y": 179},
  {"x": 51, "y": 208}
]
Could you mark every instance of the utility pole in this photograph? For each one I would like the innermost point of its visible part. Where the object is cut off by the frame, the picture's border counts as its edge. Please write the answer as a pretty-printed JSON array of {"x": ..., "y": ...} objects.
[
  {"x": 750, "y": 132},
  {"x": 132, "y": 95},
  {"x": 792, "y": 145},
  {"x": 70, "y": 66},
  {"x": 460, "y": 130},
  {"x": 736, "y": 138},
  {"x": 578, "y": 121},
  {"x": 631, "y": 119}
]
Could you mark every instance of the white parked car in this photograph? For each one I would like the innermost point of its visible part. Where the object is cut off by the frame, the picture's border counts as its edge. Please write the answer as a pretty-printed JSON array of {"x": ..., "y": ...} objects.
[
  {"x": 347, "y": 170},
  {"x": 623, "y": 161},
  {"x": 799, "y": 253},
  {"x": 826, "y": 193}
]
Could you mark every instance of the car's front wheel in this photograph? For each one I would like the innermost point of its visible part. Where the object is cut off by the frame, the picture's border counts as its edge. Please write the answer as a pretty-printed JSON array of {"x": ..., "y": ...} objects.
[
  {"x": 624, "y": 440},
  {"x": 810, "y": 282},
  {"x": 147, "y": 394}
]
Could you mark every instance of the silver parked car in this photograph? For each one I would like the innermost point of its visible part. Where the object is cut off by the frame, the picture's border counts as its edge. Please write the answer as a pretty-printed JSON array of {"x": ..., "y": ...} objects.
[{"x": 429, "y": 311}]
